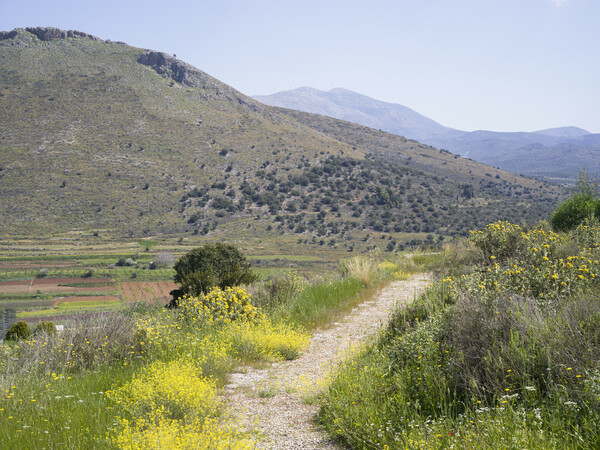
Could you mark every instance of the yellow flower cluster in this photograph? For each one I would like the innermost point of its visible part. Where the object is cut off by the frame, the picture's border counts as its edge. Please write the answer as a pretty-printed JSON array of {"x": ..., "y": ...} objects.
[
  {"x": 171, "y": 405},
  {"x": 175, "y": 390},
  {"x": 266, "y": 341},
  {"x": 218, "y": 307},
  {"x": 165, "y": 434},
  {"x": 388, "y": 266}
]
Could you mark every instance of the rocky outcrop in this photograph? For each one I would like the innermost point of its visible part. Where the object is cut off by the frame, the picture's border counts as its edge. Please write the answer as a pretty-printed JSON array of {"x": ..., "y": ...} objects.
[
  {"x": 52, "y": 34},
  {"x": 171, "y": 67},
  {"x": 7, "y": 34}
]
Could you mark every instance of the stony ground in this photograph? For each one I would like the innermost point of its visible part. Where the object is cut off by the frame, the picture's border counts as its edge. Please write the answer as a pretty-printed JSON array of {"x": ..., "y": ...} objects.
[{"x": 273, "y": 400}]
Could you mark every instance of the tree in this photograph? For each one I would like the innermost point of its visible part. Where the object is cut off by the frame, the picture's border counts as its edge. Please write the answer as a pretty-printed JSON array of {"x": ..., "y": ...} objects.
[
  {"x": 586, "y": 184},
  {"x": 221, "y": 265},
  {"x": 583, "y": 204}
]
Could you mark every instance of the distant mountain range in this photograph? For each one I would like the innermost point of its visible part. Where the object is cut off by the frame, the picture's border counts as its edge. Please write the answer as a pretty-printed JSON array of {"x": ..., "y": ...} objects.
[{"x": 556, "y": 153}]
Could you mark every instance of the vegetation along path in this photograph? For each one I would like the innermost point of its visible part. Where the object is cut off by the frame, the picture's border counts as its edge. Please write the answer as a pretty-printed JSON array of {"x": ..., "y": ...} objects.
[{"x": 270, "y": 400}]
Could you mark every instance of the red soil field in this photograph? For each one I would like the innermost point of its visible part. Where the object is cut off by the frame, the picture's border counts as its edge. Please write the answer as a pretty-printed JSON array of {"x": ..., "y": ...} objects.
[{"x": 135, "y": 291}]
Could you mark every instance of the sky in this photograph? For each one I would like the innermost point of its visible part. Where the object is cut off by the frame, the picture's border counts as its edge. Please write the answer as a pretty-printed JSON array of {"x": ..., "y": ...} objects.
[{"x": 501, "y": 65}]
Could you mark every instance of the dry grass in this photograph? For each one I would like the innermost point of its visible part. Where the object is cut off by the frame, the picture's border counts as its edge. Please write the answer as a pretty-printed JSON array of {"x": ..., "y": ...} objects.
[{"x": 361, "y": 268}]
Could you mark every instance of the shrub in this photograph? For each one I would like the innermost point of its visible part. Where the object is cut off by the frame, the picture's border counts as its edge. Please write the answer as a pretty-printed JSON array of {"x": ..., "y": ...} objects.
[
  {"x": 45, "y": 327},
  {"x": 499, "y": 241},
  {"x": 217, "y": 307},
  {"x": 220, "y": 265},
  {"x": 18, "y": 331},
  {"x": 573, "y": 211},
  {"x": 42, "y": 273}
]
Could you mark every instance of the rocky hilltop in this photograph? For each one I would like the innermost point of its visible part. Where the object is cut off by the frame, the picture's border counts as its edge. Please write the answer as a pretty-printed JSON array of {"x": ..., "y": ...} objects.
[{"x": 48, "y": 34}]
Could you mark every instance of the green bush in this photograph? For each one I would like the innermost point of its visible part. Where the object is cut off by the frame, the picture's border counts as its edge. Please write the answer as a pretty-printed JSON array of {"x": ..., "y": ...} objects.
[
  {"x": 45, "y": 327},
  {"x": 573, "y": 211},
  {"x": 220, "y": 265},
  {"x": 18, "y": 331}
]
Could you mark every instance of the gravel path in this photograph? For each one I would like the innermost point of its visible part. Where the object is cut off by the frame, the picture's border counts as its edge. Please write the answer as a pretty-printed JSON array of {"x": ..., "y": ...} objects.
[{"x": 270, "y": 400}]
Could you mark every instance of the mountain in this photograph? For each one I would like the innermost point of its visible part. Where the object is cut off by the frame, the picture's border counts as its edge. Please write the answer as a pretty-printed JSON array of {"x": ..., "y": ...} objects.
[
  {"x": 564, "y": 132},
  {"x": 509, "y": 151},
  {"x": 99, "y": 135},
  {"x": 353, "y": 107}
]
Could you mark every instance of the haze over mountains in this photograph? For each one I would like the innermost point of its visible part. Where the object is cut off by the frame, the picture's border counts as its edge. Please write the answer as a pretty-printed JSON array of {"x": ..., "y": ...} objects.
[
  {"x": 557, "y": 153},
  {"x": 100, "y": 135}
]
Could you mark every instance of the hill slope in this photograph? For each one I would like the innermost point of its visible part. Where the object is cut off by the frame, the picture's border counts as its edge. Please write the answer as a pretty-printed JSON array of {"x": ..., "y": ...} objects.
[
  {"x": 98, "y": 134},
  {"x": 509, "y": 151}
]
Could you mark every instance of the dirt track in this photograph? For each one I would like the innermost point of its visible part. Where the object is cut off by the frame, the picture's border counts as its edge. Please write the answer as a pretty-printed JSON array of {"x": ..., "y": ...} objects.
[{"x": 269, "y": 400}]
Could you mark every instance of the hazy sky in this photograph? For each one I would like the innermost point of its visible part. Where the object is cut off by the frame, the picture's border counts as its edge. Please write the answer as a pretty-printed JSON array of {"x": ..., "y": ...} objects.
[{"x": 503, "y": 65}]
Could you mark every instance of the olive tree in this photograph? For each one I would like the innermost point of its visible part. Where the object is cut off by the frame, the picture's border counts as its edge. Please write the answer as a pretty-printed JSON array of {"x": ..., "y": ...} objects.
[{"x": 220, "y": 265}]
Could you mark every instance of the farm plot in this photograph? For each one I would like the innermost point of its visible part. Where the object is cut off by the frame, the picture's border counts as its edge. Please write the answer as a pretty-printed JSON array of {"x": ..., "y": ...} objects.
[
  {"x": 155, "y": 291},
  {"x": 25, "y": 265},
  {"x": 46, "y": 297},
  {"x": 48, "y": 285}
]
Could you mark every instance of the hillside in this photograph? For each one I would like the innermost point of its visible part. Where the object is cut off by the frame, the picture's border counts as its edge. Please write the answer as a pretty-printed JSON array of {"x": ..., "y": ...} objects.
[
  {"x": 559, "y": 153},
  {"x": 100, "y": 135}
]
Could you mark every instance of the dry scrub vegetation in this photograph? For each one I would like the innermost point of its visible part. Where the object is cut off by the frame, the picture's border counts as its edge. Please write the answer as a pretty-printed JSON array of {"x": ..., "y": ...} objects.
[{"x": 502, "y": 352}]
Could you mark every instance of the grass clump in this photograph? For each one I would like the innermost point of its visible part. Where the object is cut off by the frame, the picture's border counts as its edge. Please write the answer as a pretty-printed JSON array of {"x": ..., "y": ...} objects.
[
  {"x": 361, "y": 268},
  {"x": 318, "y": 303},
  {"x": 503, "y": 357}
]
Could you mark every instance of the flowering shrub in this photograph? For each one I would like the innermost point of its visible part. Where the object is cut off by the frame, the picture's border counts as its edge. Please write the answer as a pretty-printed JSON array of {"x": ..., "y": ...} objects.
[
  {"x": 171, "y": 405},
  {"x": 174, "y": 391},
  {"x": 218, "y": 306},
  {"x": 498, "y": 241},
  {"x": 505, "y": 355},
  {"x": 536, "y": 263},
  {"x": 209, "y": 434},
  {"x": 220, "y": 326}
]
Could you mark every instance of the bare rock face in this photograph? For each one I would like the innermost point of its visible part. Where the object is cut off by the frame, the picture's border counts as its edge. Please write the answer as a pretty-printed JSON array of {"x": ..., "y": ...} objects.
[
  {"x": 52, "y": 34},
  {"x": 171, "y": 67},
  {"x": 17, "y": 37}
]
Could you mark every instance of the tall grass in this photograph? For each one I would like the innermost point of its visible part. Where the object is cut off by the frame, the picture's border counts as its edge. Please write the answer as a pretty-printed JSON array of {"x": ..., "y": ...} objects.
[{"x": 318, "y": 303}]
